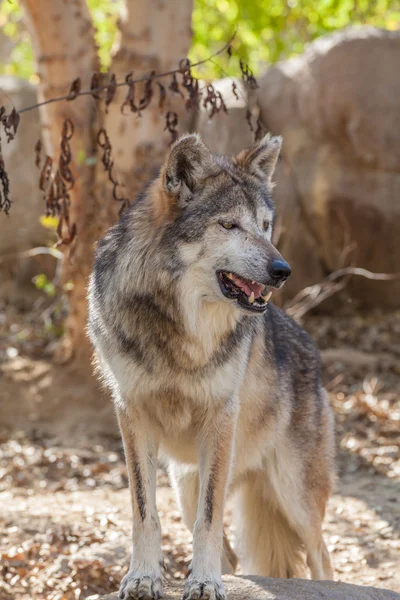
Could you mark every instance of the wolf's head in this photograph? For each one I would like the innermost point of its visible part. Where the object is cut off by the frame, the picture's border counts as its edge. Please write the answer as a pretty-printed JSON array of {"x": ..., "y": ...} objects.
[{"x": 218, "y": 219}]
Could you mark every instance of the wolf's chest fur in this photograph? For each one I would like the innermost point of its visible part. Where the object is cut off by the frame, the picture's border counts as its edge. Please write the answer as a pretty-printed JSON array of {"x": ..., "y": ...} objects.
[
  {"x": 182, "y": 379},
  {"x": 179, "y": 380}
]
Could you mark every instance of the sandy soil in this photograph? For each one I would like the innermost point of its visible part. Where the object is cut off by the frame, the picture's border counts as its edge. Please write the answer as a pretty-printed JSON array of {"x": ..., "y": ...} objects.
[{"x": 65, "y": 514}]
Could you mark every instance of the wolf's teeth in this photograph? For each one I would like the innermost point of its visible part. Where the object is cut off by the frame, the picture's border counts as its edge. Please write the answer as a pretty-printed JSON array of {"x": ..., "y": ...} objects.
[
  {"x": 229, "y": 275},
  {"x": 251, "y": 298},
  {"x": 267, "y": 296}
]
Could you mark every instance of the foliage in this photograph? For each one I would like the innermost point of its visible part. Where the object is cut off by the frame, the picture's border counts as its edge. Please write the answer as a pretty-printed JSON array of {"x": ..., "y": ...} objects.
[
  {"x": 105, "y": 16},
  {"x": 267, "y": 32},
  {"x": 42, "y": 283},
  {"x": 15, "y": 37}
]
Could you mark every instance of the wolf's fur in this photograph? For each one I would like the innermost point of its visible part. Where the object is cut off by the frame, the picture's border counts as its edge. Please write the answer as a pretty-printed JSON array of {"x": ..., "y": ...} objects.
[{"x": 232, "y": 400}]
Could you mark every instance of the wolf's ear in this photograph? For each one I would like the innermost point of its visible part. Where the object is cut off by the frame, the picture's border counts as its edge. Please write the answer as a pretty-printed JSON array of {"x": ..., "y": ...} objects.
[
  {"x": 187, "y": 163},
  {"x": 260, "y": 160}
]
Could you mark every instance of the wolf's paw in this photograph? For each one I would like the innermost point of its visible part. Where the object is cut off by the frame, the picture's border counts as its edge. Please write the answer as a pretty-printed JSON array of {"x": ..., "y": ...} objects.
[
  {"x": 204, "y": 590},
  {"x": 140, "y": 587}
]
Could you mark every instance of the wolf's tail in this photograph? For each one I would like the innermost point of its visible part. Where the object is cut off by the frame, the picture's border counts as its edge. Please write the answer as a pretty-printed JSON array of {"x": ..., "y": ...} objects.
[{"x": 266, "y": 544}]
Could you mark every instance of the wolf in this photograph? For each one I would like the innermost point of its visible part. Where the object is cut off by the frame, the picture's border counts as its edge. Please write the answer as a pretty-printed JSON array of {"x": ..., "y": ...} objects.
[{"x": 207, "y": 373}]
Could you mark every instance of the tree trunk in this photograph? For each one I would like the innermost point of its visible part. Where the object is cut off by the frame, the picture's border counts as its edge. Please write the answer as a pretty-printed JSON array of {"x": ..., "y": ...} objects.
[
  {"x": 154, "y": 35},
  {"x": 64, "y": 46}
]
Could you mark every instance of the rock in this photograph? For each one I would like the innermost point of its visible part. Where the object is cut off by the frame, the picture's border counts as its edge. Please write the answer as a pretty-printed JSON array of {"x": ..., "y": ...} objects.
[
  {"x": 21, "y": 230},
  {"x": 264, "y": 588},
  {"x": 295, "y": 242},
  {"x": 228, "y": 133},
  {"x": 338, "y": 111}
]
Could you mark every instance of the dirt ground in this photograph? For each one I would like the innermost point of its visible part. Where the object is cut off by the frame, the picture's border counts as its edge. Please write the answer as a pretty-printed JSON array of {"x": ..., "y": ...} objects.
[{"x": 65, "y": 513}]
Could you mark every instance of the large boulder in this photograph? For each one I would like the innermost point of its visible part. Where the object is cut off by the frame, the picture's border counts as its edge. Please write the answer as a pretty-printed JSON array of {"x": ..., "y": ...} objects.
[
  {"x": 337, "y": 107},
  {"x": 228, "y": 133},
  {"x": 338, "y": 184},
  {"x": 21, "y": 230},
  {"x": 264, "y": 588}
]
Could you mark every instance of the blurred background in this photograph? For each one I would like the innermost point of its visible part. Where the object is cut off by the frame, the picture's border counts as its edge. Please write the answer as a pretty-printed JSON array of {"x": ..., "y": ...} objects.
[{"x": 323, "y": 75}]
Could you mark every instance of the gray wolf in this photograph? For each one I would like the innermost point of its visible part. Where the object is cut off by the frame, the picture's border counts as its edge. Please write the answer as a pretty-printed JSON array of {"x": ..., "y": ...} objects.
[{"x": 207, "y": 373}]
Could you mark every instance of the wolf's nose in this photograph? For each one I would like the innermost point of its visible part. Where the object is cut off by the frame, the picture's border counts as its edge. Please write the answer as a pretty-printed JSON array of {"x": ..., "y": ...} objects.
[{"x": 279, "y": 270}]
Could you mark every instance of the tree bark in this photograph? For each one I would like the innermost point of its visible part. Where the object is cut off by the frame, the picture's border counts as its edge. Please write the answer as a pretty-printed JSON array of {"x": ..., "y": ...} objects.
[{"x": 154, "y": 36}]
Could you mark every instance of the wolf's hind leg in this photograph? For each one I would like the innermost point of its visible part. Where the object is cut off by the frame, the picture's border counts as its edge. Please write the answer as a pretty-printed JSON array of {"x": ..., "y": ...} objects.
[
  {"x": 281, "y": 512},
  {"x": 306, "y": 515},
  {"x": 267, "y": 544},
  {"x": 301, "y": 495},
  {"x": 186, "y": 482},
  {"x": 143, "y": 579},
  {"x": 300, "y": 474},
  {"x": 318, "y": 560},
  {"x": 229, "y": 558}
]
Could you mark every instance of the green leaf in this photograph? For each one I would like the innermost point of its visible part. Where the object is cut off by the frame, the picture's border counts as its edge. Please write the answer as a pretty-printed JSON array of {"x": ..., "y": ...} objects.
[{"x": 42, "y": 283}]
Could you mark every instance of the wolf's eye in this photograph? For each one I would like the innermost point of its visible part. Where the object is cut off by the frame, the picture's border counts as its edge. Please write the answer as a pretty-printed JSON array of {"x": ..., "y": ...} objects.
[
  {"x": 227, "y": 225},
  {"x": 265, "y": 225}
]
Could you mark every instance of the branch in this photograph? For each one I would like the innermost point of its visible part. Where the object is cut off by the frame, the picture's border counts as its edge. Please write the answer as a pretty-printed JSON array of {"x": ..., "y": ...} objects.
[
  {"x": 36, "y": 252},
  {"x": 313, "y": 295},
  {"x": 185, "y": 64},
  {"x": 56, "y": 183},
  {"x": 362, "y": 273},
  {"x": 33, "y": 252}
]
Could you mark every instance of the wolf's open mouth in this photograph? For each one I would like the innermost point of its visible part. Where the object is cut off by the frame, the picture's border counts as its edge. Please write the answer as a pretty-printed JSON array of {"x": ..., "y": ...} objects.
[{"x": 249, "y": 294}]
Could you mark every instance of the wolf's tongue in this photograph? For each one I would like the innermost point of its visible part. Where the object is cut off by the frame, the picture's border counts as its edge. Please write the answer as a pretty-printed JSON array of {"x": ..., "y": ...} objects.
[{"x": 248, "y": 286}]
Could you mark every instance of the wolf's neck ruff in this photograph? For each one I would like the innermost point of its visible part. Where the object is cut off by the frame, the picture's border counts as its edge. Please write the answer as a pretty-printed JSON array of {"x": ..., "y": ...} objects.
[{"x": 165, "y": 341}]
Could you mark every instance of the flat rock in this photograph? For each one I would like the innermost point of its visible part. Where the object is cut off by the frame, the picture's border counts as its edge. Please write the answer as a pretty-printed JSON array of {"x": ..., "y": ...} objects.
[{"x": 265, "y": 588}]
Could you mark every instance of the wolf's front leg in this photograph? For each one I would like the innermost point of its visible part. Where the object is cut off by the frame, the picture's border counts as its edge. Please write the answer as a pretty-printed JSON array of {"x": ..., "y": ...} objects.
[
  {"x": 215, "y": 459},
  {"x": 143, "y": 579}
]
